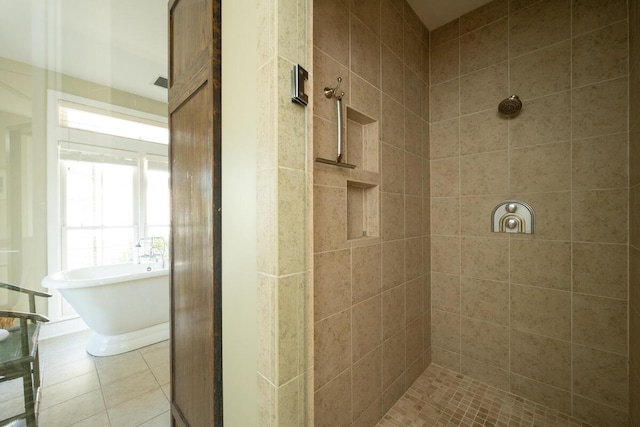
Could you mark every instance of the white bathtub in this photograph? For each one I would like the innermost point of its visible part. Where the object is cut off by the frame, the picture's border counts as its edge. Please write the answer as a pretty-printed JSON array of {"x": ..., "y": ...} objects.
[{"x": 126, "y": 305}]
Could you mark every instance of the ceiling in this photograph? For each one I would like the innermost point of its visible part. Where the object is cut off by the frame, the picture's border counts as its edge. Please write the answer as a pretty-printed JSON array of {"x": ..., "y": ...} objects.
[{"x": 117, "y": 43}]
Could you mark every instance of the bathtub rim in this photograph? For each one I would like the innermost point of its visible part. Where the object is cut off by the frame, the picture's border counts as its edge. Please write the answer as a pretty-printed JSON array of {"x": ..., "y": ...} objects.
[{"x": 60, "y": 279}]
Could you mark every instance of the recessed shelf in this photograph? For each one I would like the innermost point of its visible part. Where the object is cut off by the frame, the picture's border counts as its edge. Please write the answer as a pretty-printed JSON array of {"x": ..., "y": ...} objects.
[
  {"x": 362, "y": 141},
  {"x": 363, "y": 210}
]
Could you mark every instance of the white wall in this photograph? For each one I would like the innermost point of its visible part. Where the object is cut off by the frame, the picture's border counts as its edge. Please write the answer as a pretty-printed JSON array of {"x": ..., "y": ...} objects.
[{"x": 239, "y": 268}]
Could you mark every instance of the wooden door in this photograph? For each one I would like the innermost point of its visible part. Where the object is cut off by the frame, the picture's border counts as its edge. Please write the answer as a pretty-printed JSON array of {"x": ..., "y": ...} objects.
[{"x": 196, "y": 280}]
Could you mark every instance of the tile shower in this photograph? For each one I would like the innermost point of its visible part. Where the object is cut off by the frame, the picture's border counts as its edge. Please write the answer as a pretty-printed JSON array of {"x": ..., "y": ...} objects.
[{"x": 553, "y": 316}]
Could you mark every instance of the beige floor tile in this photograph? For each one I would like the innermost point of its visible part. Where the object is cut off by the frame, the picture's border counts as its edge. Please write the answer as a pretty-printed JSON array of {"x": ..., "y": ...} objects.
[
  {"x": 73, "y": 410},
  {"x": 128, "y": 388},
  {"x": 139, "y": 410},
  {"x": 69, "y": 389},
  {"x": 98, "y": 420},
  {"x": 162, "y": 420}
]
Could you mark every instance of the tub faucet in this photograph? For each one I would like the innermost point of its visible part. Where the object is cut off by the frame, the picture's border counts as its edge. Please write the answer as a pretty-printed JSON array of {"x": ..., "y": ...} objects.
[{"x": 155, "y": 251}]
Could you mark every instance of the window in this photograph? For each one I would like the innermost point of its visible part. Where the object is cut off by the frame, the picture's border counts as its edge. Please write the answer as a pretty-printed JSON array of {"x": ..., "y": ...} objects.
[{"x": 112, "y": 182}]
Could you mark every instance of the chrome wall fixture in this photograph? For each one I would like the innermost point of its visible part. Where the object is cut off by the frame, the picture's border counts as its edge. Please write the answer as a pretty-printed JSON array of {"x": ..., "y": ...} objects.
[
  {"x": 332, "y": 92},
  {"x": 513, "y": 216}
]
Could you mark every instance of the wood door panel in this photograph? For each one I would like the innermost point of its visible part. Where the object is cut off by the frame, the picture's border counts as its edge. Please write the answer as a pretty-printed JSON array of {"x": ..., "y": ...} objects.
[{"x": 195, "y": 152}]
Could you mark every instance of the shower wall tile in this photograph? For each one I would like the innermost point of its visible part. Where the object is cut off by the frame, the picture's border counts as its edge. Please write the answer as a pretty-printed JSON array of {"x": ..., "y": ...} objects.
[
  {"x": 445, "y": 61},
  {"x": 538, "y": 26},
  {"x": 597, "y": 413},
  {"x": 600, "y": 55},
  {"x": 542, "y": 168},
  {"x": 413, "y": 218},
  {"x": 484, "y": 47},
  {"x": 542, "y": 121},
  {"x": 480, "y": 89},
  {"x": 412, "y": 92},
  {"x": 600, "y": 376},
  {"x": 413, "y": 170},
  {"x": 366, "y": 382},
  {"x": 484, "y": 300},
  {"x": 392, "y": 75},
  {"x": 482, "y": 132},
  {"x": 414, "y": 290},
  {"x": 596, "y": 108},
  {"x": 591, "y": 14},
  {"x": 540, "y": 358},
  {"x": 394, "y": 392},
  {"x": 600, "y": 163},
  {"x": 445, "y": 292},
  {"x": 445, "y": 254},
  {"x": 483, "y": 15},
  {"x": 484, "y": 173},
  {"x": 485, "y": 258},
  {"x": 392, "y": 216},
  {"x": 332, "y": 403},
  {"x": 486, "y": 342},
  {"x": 366, "y": 273},
  {"x": 366, "y": 327},
  {"x": 330, "y": 207},
  {"x": 365, "y": 53},
  {"x": 393, "y": 360},
  {"x": 412, "y": 48},
  {"x": 332, "y": 347},
  {"x": 445, "y": 331},
  {"x": 600, "y": 323},
  {"x": 545, "y": 264},
  {"x": 444, "y": 102},
  {"x": 445, "y": 33},
  {"x": 553, "y": 215},
  {"x": 541, "y": 311},
  {"x": 445, "y": 218},
  {"x": 413, "y": 256},
  {"x": 550, "y": 396},
  {"x": 476, "y": 211},
  {"x": 488, "y": 374},
  {"x": 446, "y": 358},
  {"x": 600, "y": 269},
  {"x": 392, "y": 130},
  {"x": 541, "y": 72},
  {"x": 414, "y": 344},
  {"x": 444, "y": 177},
  {"x": 332, "y": 283},
  {"x": 392, "y": 169},
  {"x": 368, "y": 12},
  {"x": 413, "y": 132},
  {"x": 597, "y": 218},
  {"x": 331, "y": 18},
  {"x": 364, "y": 97},
  {"x": 393, "y": 254},
  {"x": 391, "y": 27},
  {"x": 445, "y": 139}
]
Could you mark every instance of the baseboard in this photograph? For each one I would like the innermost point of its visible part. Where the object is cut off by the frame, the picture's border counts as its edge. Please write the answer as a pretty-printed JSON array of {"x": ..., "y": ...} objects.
[{"x": 62, "y": 327}]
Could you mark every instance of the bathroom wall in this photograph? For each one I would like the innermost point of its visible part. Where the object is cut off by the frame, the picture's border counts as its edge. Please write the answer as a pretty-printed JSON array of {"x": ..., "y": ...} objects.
[
  {"x": 542, "y": 315},
  {"x": 371, "y": 293},
  {"x": 634, "y": 213}
]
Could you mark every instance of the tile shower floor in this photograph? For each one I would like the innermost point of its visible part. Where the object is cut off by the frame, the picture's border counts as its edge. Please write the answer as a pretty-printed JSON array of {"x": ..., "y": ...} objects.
[
  {"x": 129, "y": 389},
  {"x": 443, "y": 398}
]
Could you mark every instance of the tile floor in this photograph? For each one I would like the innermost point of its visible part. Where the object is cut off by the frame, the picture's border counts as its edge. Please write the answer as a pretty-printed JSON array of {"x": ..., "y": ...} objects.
[
  {"x": 443, "y": 398},
  {"x": 130, "y": 389}
]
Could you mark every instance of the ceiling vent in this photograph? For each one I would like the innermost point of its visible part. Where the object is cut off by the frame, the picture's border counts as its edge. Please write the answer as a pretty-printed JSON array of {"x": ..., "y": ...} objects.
[{"x": 161, "y": 82}]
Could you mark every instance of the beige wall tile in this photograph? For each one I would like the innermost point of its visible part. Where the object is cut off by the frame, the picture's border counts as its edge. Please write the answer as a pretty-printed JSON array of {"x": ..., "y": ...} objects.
[
  {"x": 292, "y": 189},
  {"x": 488, "y": 374},
  {"x": 371, "y": 415},
  {"x": 538, "y": 26},
  {"x": 445, "y": 330},
  {"x": 391, "y": 27},
  {"x": 392, "y": 129},
  {"x": 392, "y": 216},
  {"x": 475, "y": 214},
  {"x": 444, "y": 177},
  {"x": 542, "y": 72},
  {"x": 366, "y": 327},
  {"x": 542, "y": 121},
  {"x": 484, "y": 341},
  {"x": 290, "y": 327},
  {"x": 291, "y": 403},
  {"x": 332, "y": 345},
  {"x": 444, "y": 101},
  {"x": 332, "y": 283},
  {"x": 414, "y": 300},
  {"x": 483, "y": 15},
  {"x": 445, "y": 215},
  {"x": 366, "y": 382},
  {"x": 413, "y": 216},
  {"x": 330, "y": 210},
  {"x": 600, "y": 376},
  {"x": 485, "y": 258},
  {"x": 445, "y": 254},
  {"x": 591, "y": 14},
  {"x": 543, "y": 359},
  {"x": 365, "y": 97},
  {"x": 596, "y": 108},
  {"x": 415, "y": 370},
  {"x": 445, "y": 33},
  {"x": 326, "y": 70},
  {"x": 366, "y": 272},
  {"x": 634, "y": 141},
  {"x": 425, "y": 105},
  {"x": 597, "y": 413},
  {"x": 483, "y": 47},
  {"x": 446, "y": 358},
  {"x": 445, "y": 139},
  {"x": 634, "y": 395},
  {"x": 392, "y": 75},
  {"x": 412, "y": 49},
  {"x": 393, "y": 264},
  {"x": 445, "y": 61},
  {"x": 483, "y": 132},
  {"x": 414, "y": 345},
  {"x": 634, "y": 220},
  {"x": 484, "y": 173},
  {"x": 600, "y": 163},
  {"x": 545, "y": 264},
  {"x": 393, "y": 359},
  {"x": 553, "y": 214},
  {"x": 331, "y": 29},
  {"x": 596, "y": 216},
  {"x": 600, "y": 55},
  {"x": 332, "y": 404},
  {"x": 413, "y": 258},
  {"x": 392, "y": 167},
  {"x": 393, "y": 311},
  {"x": 365, "y": 53},
  {"x": 368, "y": 12},
  {"x": 484, "y": 300},
  {"x": 600, "y": 269},
  {"x": 541, "y": 168},
  {"x": 600, "y": 323},
  {"x": 482, "y": 89},
  {"x": 412, "y": 133},
  {"x": 445, "y": 292},
  {"x": 413, "y": 171},
  {"x": 394, "y": 392},
  {"x": 541, "y": 311},
  {"x": 549, "y": 396},
  {"x": 412, "y": 92}
]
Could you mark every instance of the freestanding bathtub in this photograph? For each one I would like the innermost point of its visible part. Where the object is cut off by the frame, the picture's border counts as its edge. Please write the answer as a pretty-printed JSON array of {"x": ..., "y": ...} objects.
[{"x": 126, "y": 305}]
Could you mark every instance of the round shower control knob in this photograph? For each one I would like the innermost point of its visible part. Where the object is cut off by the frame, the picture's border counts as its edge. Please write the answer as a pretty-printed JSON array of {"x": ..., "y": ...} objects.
[
  {"x": 512, "y": 223},
  {"x": 511, "y": 207}
]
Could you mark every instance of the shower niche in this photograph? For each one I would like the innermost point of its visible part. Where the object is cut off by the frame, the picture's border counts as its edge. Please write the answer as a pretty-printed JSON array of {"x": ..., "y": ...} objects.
[{"x": 363, "y": 198}]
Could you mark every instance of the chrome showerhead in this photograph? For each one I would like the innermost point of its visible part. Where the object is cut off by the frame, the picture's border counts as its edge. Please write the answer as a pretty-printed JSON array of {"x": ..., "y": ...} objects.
[{"x": 510, "y": 106}]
